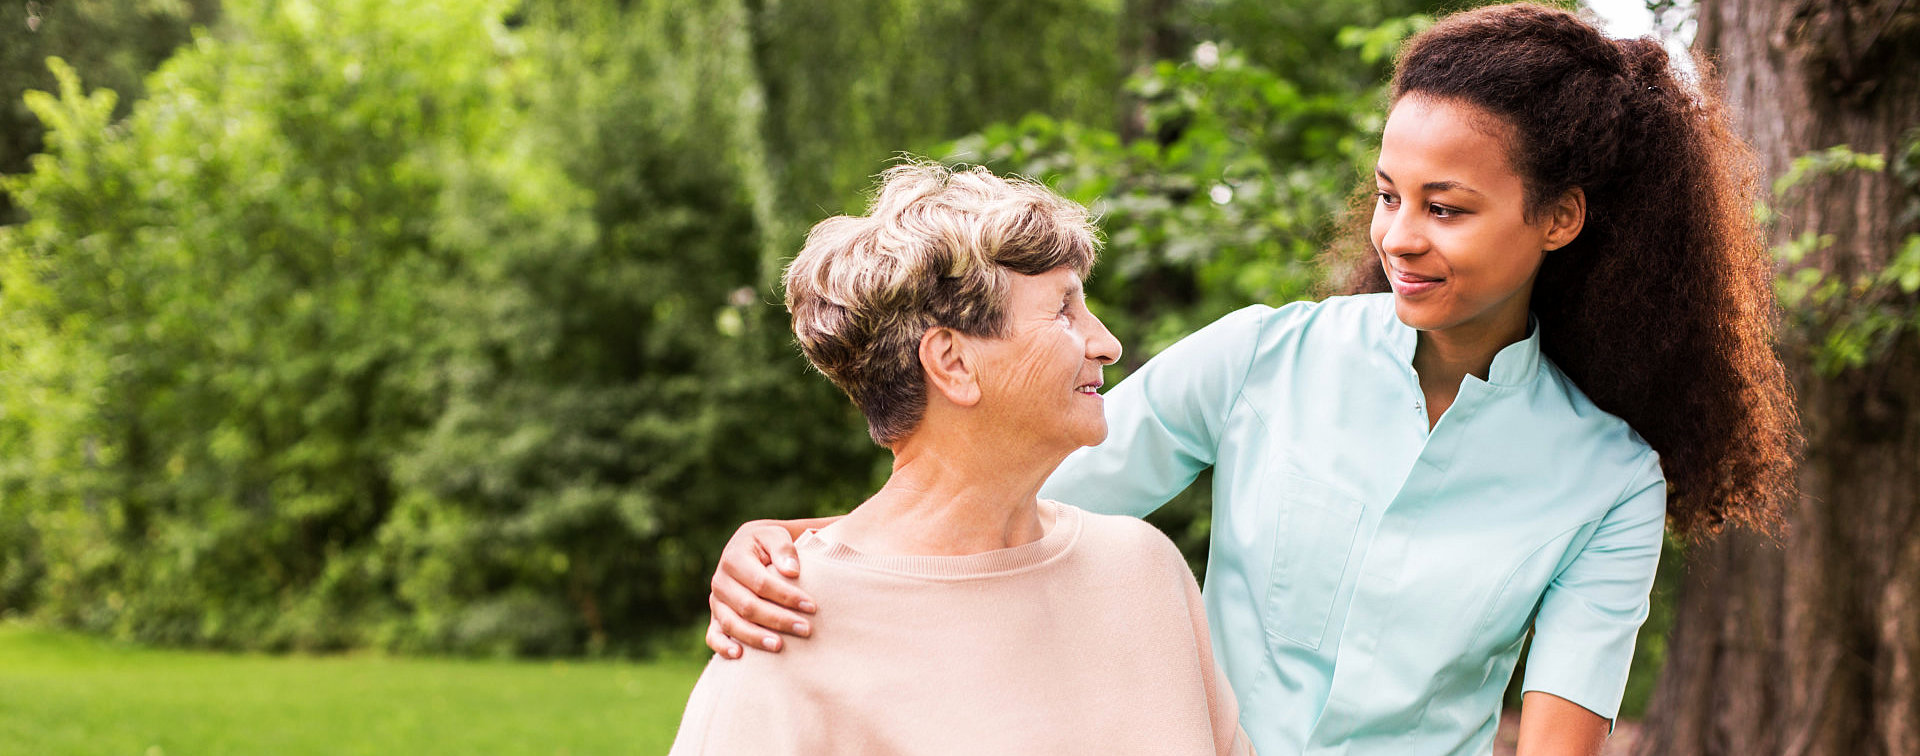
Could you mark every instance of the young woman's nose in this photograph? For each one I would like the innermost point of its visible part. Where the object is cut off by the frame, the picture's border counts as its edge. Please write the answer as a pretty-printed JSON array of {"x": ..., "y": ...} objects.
[{"x": 1403, "y": 236}]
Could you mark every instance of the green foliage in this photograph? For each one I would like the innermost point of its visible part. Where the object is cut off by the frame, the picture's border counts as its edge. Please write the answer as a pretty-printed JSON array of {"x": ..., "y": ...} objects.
[
  {"x": 1379, "y": 44},
  {"x": 850, "y": 84},
  {"x": 619, "y": 393},
  {"x": 1850, "y": 319},
  {"x": 115, "y": 41},
  {"x": 1836, "y": 159},
  {"x": 392, "y": 325},
  {"x": 1314, "y": 44},
  {"x": 241, "y": 272}
]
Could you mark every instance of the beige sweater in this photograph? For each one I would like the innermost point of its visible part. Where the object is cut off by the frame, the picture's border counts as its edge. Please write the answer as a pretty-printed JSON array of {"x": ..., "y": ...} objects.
[{"x": 1091, "y": 640}]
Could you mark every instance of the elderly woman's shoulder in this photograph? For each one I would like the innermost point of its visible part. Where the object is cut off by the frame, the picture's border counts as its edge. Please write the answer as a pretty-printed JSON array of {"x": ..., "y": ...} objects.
[{"x": 1128, "y": 536}]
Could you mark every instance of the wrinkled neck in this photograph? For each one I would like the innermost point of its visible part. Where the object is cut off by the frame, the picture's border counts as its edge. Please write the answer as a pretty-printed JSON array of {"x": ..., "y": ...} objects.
[{"x": 948, "y": 496}]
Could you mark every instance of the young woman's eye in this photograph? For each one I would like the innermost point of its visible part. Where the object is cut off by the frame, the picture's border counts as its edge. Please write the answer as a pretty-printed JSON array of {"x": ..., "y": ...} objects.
[
  {"x": 1442, "y": 211},
  {"x": 1387, "y": 199}
]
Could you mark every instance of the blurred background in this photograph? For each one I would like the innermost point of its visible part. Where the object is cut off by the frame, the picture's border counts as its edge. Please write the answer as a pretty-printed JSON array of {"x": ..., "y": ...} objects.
[{"x": 446, "y": 332}]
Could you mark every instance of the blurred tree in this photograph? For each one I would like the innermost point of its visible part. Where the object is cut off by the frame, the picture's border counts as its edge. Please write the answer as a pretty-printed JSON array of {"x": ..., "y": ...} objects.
[
  {"x": 113, "y": 42},
  {"x": 1814, "y": 648},
  {"x": 234, "y": 279},
  {"x": 620, "y": 389},
  {"x": 850, "y": 84},
  {"x": 1303, "y": 41},
  {"x": 116, "y": 42}
]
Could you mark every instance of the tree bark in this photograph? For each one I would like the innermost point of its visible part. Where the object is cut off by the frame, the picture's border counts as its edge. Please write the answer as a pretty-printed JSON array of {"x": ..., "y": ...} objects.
[
  {"x": 1148, "y": 35},
  {"x": 1809, "y": 646}
]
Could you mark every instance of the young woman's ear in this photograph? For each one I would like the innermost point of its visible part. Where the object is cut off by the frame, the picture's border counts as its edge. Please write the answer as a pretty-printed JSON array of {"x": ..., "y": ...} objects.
[
  {"x": 949, "y": 367},
  {"x": 1565, "y": 218}
]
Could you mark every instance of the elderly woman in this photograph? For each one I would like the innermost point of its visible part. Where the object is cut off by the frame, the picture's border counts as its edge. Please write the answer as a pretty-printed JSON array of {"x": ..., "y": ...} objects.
[{"x": 968, "y": 615}]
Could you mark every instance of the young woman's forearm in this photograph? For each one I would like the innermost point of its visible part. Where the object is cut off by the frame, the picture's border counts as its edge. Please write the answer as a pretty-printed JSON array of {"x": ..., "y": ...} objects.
[{"x": 1553, "y": 726}]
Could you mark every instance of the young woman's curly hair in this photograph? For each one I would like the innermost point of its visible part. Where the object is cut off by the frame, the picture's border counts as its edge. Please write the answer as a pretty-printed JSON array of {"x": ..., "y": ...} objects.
[{"x": 1662, "y": 311}]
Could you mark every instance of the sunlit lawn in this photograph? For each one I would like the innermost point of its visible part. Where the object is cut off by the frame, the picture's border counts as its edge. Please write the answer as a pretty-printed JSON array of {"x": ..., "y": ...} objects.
[{"x": 67, "y": 694}]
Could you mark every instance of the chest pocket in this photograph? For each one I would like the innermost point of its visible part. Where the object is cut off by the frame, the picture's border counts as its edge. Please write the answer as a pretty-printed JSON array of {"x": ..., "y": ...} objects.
[{"x": 1317, "y": 526}]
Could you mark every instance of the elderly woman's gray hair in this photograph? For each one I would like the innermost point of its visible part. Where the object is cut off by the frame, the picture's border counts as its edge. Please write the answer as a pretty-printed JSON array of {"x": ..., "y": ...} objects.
[{"x": 935, "y": 248}]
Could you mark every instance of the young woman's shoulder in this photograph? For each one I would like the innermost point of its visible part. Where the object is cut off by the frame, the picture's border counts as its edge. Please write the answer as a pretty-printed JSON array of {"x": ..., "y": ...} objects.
[
  {"x": 1602, "y": 439},
  {"x": 1354, "y": 320},
  {"x": 1344, "y": 309}
]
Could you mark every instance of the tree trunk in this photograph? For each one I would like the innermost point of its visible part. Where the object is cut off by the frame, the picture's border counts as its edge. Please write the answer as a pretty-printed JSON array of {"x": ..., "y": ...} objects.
[
  {"x": 1809, "y": 646},
  {"x": 1148, "y": 35}
]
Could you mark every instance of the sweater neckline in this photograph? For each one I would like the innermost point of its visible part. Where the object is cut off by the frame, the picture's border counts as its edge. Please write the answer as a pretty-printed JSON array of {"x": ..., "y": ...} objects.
[{"x": 1056, "y": 541}]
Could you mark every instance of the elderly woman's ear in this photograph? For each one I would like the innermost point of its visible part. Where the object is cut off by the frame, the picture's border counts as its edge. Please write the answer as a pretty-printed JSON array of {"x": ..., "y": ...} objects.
[{"x": 949, "y": 366}]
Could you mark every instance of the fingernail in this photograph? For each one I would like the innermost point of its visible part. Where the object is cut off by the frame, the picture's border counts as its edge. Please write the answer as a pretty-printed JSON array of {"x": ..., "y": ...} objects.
[
  {"x": 800, "y": 628},
  {"x": 788, "y": 564},
  {"x": 807, "y": 606},
  {"x": 772, "y": 643},
  {"x": 733, "y": 653}
]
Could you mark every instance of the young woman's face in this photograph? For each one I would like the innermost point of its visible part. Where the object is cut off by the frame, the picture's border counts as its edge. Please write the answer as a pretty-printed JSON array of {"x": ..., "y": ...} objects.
[{"x": 1449, "y": 223}]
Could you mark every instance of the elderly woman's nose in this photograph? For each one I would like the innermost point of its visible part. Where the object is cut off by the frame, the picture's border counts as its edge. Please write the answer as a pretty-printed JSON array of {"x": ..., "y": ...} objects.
[{"x": 1101, "y": 345}]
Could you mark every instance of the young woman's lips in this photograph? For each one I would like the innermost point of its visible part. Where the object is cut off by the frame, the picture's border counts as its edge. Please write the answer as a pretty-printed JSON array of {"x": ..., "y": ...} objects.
[{"x": 1408, "y": 284}]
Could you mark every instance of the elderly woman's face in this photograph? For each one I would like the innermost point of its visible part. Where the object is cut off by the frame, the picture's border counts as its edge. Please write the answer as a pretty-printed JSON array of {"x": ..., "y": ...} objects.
[{"x": 1045, "y": 375}]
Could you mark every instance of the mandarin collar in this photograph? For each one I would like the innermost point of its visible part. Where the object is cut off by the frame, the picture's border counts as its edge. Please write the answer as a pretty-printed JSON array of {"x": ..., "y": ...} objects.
[{"x": 1515, "y": 364}]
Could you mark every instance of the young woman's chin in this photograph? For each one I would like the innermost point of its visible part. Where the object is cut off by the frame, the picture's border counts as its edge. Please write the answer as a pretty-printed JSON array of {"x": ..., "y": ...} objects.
[{"x": 1421, "y": 315}]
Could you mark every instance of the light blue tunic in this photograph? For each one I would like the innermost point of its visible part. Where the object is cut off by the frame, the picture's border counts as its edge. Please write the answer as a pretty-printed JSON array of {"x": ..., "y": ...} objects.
[{"x": 1369, "y": 583}]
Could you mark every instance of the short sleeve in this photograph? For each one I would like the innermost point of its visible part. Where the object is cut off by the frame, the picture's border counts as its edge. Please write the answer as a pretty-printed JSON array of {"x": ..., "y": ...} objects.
[
  {"x": 1583, "y": 636},
  {"x": 1163, "y": 422}
]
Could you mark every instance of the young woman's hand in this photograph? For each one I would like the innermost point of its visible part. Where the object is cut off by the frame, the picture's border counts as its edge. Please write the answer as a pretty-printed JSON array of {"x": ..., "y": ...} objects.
[{"x": 754, "y": 598}]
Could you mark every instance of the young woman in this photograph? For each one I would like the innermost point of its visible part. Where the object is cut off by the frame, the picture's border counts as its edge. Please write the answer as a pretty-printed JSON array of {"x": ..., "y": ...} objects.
[{"x": 1559, "y": 343}]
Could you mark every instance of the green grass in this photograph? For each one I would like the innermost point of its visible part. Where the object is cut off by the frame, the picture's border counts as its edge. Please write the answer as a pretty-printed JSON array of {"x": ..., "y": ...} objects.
[{"x": 62, "y": 693}]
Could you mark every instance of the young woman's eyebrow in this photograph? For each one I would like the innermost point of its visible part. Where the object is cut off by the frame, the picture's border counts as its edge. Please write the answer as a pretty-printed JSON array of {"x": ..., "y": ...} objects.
[
  {"x": 1432, "y": 186},
  {"x": 1449, "y": 186}
]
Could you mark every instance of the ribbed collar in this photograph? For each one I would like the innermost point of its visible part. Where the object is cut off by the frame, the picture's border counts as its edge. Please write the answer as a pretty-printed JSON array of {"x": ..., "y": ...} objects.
[
  {"x": 1515, "y": 364},
  {"x": 1056, "y": 541}
]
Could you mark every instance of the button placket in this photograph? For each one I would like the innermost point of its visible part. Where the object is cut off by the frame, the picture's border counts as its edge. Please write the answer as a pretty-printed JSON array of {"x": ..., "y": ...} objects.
[{"x": 1373, "y": 606}]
